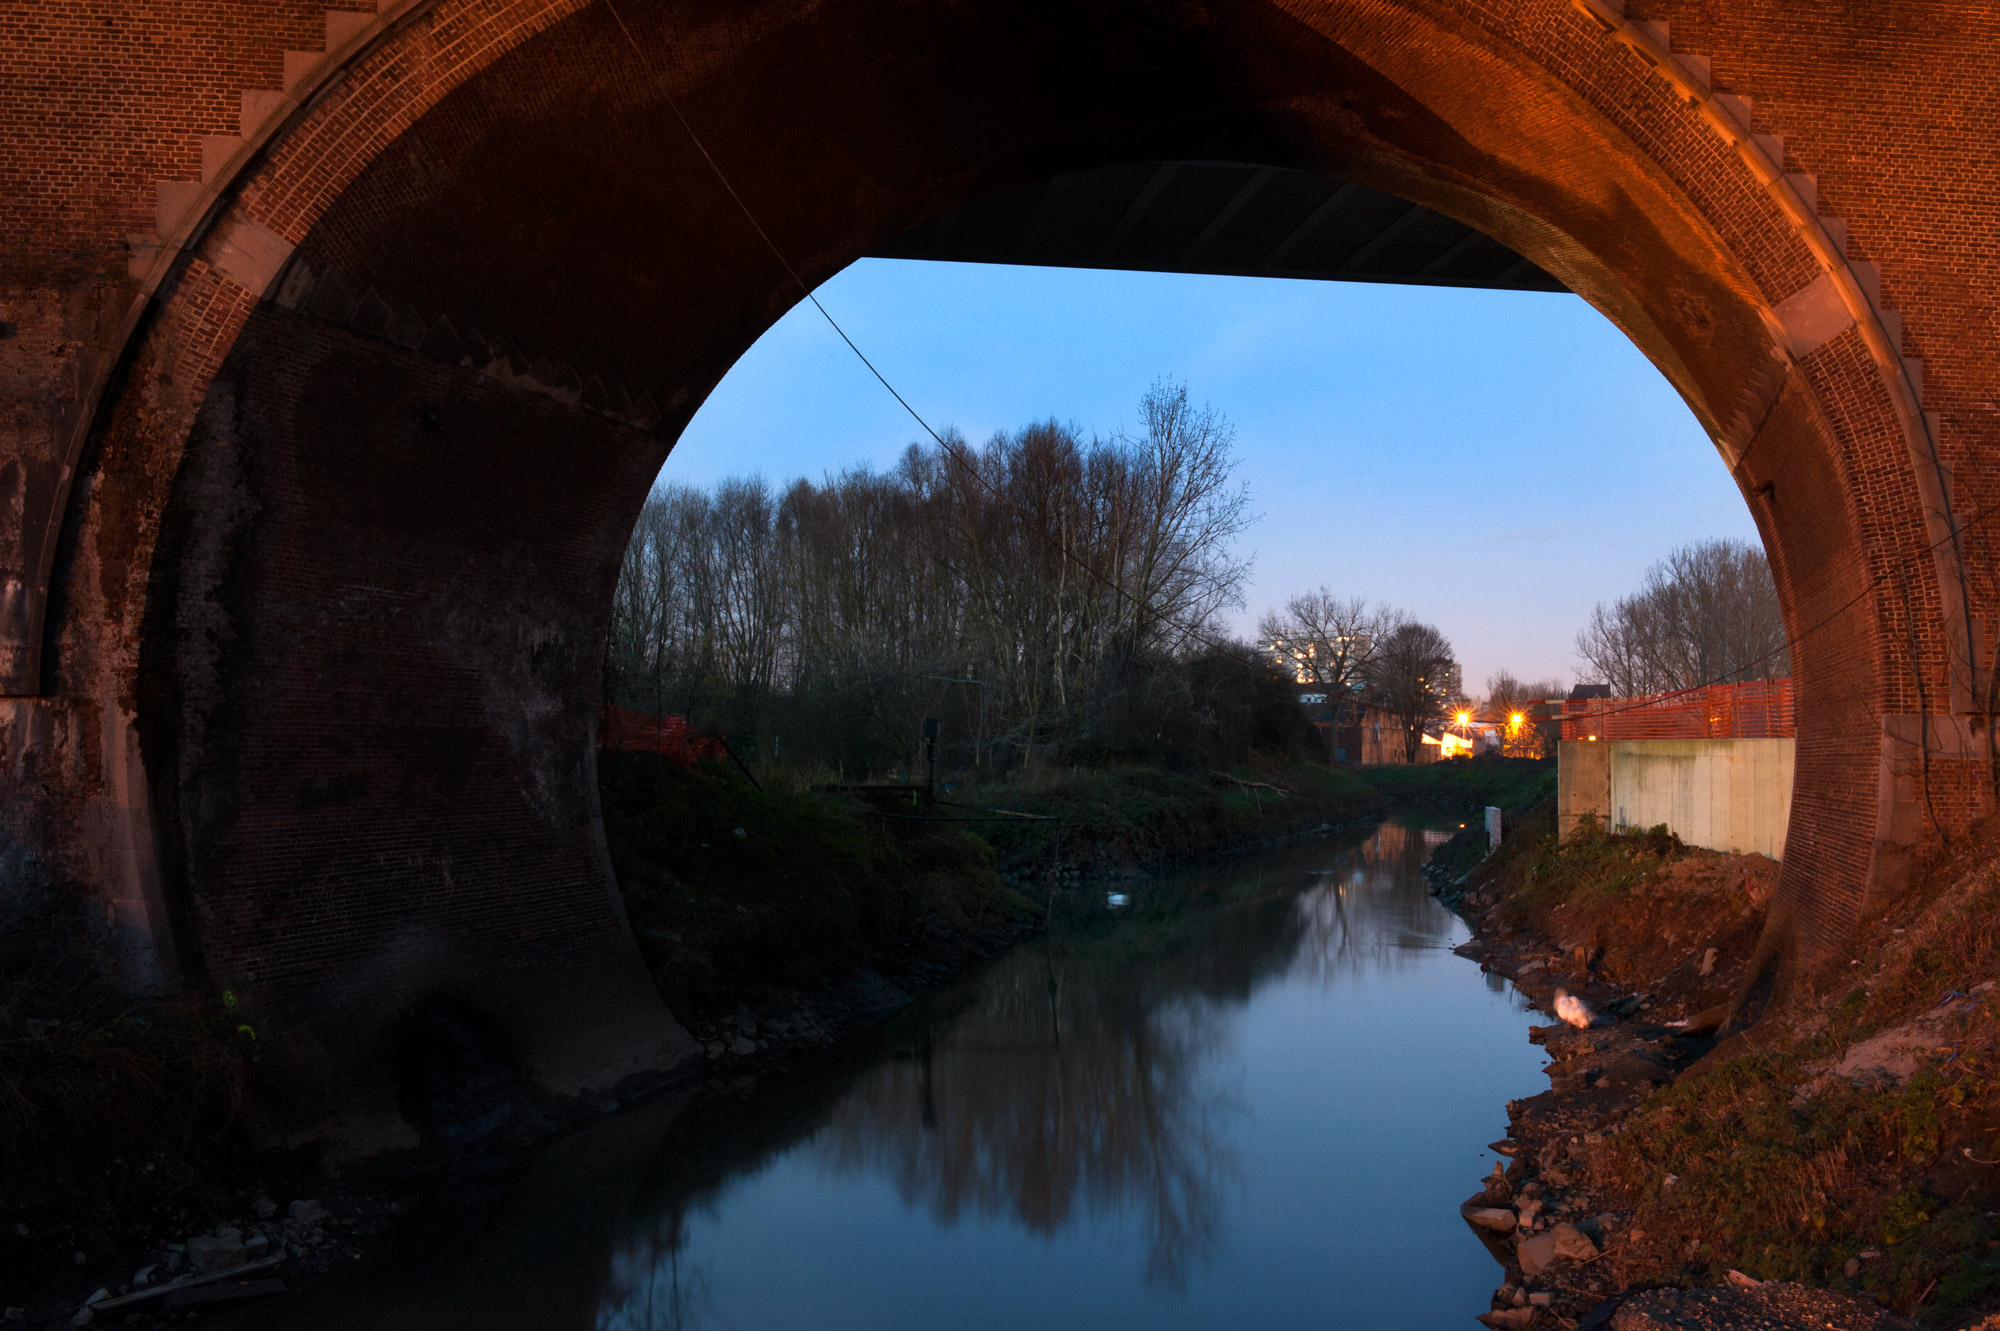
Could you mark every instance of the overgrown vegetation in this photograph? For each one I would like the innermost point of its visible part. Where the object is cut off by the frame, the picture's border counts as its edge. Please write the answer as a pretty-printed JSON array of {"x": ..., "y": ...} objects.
[
  {"x": 731, "y": 890},
  {"x": 1146, "y": 816},
  {"x": 1785, "y": 1178},
  {"x": 115, "y": 1107},
  {"x": 1465, "y": 783},
  {"x": 1594, "y": 867}
]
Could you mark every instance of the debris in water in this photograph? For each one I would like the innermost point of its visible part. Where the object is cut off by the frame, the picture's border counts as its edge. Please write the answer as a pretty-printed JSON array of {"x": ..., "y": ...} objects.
[{"x": 1115, "y": 899}]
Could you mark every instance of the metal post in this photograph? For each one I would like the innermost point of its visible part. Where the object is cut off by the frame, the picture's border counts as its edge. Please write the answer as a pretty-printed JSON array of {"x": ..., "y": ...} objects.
[{"x": 930, "y": 754}]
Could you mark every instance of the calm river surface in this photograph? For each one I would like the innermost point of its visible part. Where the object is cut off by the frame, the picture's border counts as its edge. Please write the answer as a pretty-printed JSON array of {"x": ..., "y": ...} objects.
[{"x": 1252, "y": 1096}]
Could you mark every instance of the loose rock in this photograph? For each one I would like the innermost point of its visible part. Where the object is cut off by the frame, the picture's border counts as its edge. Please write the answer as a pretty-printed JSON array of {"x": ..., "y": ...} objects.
[
  {"x": 1572, "y": 1244},
  {"x": 216, "y": 1252},
  {"x": 1537, "y": 1255},
  {"x": 1772, "y": 1306}
]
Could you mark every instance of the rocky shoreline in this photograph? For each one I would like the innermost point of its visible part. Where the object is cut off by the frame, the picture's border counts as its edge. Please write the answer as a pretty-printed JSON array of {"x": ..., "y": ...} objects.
[{"x": 1565, "y": 1235}]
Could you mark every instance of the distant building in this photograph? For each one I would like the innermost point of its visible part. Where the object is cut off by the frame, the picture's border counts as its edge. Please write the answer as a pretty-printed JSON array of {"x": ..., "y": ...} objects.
[
  {"x": 1352, "y": 730},
  {"x": 1360, "y": 734},
  {"x": 1307, "y": 660}
]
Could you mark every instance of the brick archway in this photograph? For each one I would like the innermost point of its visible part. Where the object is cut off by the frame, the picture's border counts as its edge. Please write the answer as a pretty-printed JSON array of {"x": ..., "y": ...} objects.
[{"x": 321, "y": 636}]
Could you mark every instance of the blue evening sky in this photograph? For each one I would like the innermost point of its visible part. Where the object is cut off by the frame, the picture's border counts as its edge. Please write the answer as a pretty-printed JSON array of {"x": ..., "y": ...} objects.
[{"x": 1494, "y": 462}]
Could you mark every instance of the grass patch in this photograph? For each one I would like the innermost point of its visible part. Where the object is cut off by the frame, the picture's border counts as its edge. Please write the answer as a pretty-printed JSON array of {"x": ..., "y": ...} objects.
[
  {"x": 1465, "y": 783},
  {"x": 1152, "y": 816},
  {"x": 1594, "y": 866},
  {"x": 1787, "y": 1186}
]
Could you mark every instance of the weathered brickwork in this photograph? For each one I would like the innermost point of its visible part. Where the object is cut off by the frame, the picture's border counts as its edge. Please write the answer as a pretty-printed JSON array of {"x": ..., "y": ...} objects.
[
  {"x": 301, "y": 502},
  {"x": 98, "y": 102},
  {"x": 380, "y": 781}
]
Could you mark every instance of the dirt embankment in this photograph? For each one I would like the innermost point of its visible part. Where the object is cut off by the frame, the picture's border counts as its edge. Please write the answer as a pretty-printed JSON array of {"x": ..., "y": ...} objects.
[{"x": 1837, "y": 1147}]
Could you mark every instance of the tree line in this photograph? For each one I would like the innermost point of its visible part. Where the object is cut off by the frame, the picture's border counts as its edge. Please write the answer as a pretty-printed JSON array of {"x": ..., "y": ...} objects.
[
  {"x": 1364, "y": 656},
  {"x": 1047, "y": 596},
  {"x": 1706, "y": 614},
  {"x": 1055, "y": 598}
]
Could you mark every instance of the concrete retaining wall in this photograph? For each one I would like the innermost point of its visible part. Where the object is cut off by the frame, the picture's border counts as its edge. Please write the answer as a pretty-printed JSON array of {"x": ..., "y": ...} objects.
[{"x": 1725, "y": 794}]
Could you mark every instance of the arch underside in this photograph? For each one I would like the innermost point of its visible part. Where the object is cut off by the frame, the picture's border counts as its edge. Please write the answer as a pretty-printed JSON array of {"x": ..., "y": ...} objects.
[{"x": 341, "y": 568}]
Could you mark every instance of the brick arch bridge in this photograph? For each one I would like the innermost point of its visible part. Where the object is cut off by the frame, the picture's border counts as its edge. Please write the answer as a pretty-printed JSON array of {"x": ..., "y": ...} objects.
[{"x": 344, "y": 346}]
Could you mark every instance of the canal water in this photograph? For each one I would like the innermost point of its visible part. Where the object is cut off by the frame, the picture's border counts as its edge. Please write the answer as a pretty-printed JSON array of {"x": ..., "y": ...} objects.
[{"x": 1249, "y": 1095}]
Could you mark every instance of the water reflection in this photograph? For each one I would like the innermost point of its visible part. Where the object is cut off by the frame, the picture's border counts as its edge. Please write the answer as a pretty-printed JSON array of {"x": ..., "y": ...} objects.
[
  {"x": 1249, "y": 1096},
  {"x": 1086, "y": 1081},
  {"x": 1071, "y": 1088}
]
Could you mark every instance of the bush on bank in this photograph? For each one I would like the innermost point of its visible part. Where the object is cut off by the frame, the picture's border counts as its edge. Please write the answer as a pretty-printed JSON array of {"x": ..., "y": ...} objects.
[
  {"x": 731, "y": 890},
  {"x": 118, "y": 1109},
  {"x": 1464, "y": 783},
  {"x": 1142, "y": 816}
]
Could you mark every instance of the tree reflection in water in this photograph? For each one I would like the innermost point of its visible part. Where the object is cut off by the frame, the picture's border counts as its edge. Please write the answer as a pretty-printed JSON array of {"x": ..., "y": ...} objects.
[
  {"x": 1072, "y": 1088},
  {"x": 1362, "y": 917},
  {"x": 653, "y": 1285},
  {"x": 1078, "y": 1080}
]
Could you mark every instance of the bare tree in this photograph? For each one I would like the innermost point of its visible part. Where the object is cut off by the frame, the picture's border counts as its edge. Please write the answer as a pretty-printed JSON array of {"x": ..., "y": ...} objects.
[
  {"x": 1324, "y": 640},
  {"x": 1410, "y": 679},
  {"x": 1183, "y": 511},
  {"x": 1707, "y": 613},
  {"x": 1508, "y": 698},
  {"x": 1026, "y": 580}
]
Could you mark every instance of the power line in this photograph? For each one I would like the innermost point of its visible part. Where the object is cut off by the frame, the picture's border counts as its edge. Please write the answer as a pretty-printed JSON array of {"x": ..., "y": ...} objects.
[{"x": 1061, "y": 546}]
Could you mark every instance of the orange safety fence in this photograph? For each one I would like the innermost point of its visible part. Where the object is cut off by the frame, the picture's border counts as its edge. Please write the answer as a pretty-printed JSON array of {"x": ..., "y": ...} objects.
[
  {"x": 1756, "y": 709},
  {"x": 669, "y": 736}
]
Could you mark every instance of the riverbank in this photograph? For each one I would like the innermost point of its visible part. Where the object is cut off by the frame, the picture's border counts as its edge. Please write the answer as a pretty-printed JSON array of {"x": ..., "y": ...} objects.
[
  {"x": 1838, "y": 1141},
  {"x": 1146, "y": 1107},
  {"x": 1464, "y": 785},
  {"x": 773, "y": 923},
  {"x": 1143, "y": 819}
]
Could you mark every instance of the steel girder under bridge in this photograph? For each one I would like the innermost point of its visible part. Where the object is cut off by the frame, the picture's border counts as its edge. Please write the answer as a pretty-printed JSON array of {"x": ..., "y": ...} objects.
[{"x": 1221, "y": 217}]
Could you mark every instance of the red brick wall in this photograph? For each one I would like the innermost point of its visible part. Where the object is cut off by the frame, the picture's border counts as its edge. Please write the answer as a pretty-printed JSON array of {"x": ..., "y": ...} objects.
[
  {"x": 97, "y": 102},
  {"x": 511, "y": 164}
]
